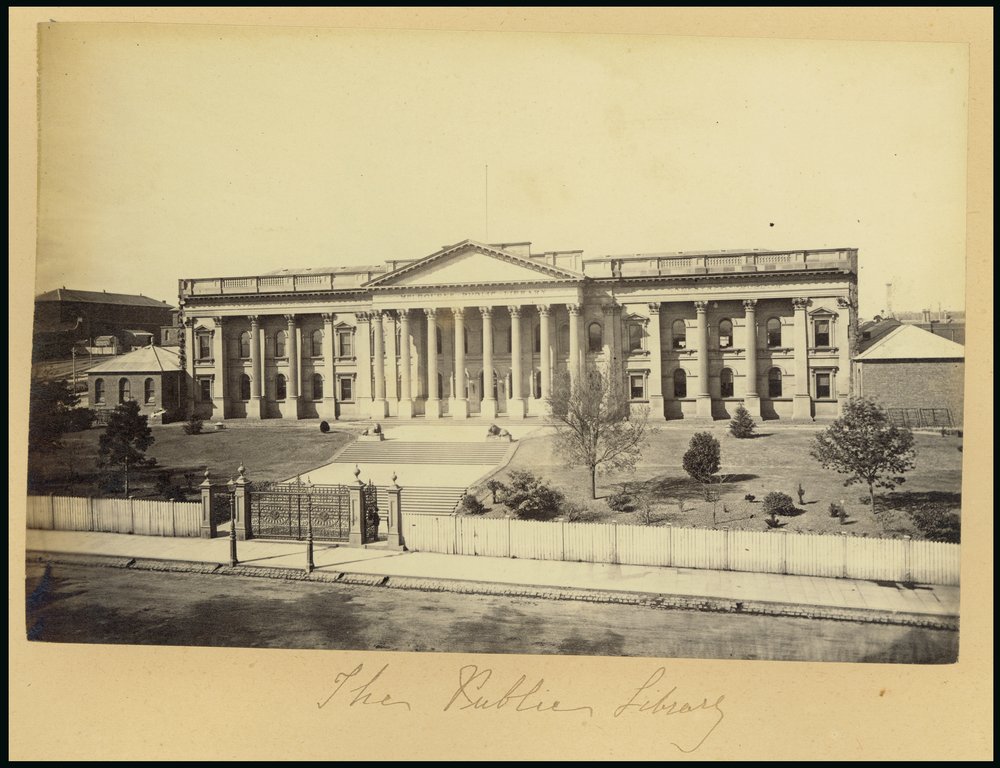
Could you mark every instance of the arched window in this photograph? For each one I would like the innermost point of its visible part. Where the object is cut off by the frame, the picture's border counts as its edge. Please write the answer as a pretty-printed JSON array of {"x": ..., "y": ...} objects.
[
  {"x": 124, "y": 390},
  {"x": 726, "y": 382},
  {"x": 774, "y": 332},
  {"x": 148, "y": 392},
  {"x": 774, "y": 382},
  {"x": 537, "y": 345},
  {"x": 245, "y": 344},
  {"x": 595, "y": 338},
  {"x": 280, "y": 387},
  {"x": 279, "y": 344},
  {"x": 399, "y": 340},
  {"x": 563, "y": 343},
  {"x": 725, "y": 334},
  {"x": 317, "y": 382},
  {"x": 99, "y": 391},
  {"x": 680, "y": 383},
  {"x": 317, "y": 343},
  {"x": 635, "y": 337},
  {"x": 678, "y": 334}
]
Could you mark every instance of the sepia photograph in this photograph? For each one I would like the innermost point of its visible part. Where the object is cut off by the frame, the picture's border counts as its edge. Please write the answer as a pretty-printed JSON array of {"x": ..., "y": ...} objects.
[{"x": 431, "y": 341}]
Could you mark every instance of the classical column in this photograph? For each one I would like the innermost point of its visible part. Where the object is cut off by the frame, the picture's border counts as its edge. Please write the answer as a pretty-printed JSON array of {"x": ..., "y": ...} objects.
[
  {"x": 291, "y": 410},
  {"x": 802, "y": 402},
  {"x": 254, "y": 410},
  {"x": 751, "y": 398},
  {"x": 574, "y": 343},
  {"x": 461, "y": 410},
  {"x": 432, "y": 408},
  {"x": 515, "y": 401},
  {"x": 219, "y": 388},
  {"x": 545, "y": 362},
  {"x": 329, "y": 371},
  {"x": 363, "y": 357},
  {"x": 843, "y": 352},
  {"x": 261, "y": 342},
  {"x": 656, "y": 408},
  {"x": 189, "y": 355},
  {"x": 380, "y": 408},
  {"x": 704, "y": 396},
  {"x": 405, "y": 389},
  {"x": 488, "y": 409}
]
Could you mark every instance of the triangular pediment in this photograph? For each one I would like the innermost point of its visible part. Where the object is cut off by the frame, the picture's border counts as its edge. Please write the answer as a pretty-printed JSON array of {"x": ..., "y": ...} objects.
[{"x": 472, "y": 263}]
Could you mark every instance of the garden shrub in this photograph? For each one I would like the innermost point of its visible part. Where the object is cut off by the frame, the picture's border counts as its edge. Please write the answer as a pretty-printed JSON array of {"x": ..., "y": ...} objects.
[
  {"x": 529, "y": 498},
  {"x": 193, "y": 425},
  {"x": 324, "y": 427},
  {"x": 471, "y": 505},
  {"x": 620, "y": 502},
  {"x": 742, "y": 425},
  {"x": 777, "y": 503},
  {"x": 81, "y": 419},
  {"x": 938, "y": 524}
]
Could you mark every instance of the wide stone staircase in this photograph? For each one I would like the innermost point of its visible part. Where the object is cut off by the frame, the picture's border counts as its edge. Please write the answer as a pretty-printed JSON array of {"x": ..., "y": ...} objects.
[
  {"x": 431, "y": 500},
  {"x": 393, "y": 452}
]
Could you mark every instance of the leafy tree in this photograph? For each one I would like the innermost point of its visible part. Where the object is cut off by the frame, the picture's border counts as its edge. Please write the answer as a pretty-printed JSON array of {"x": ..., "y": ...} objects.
[
  {"x": 529, "y": 498},
  {"x": 51, "y": 414},
  {"x": 938, "y": 524},
  {"x": 867, "y": 447},
  {"x": 777, "y": 503},
  {"x": 742, "y": 424},
  {"x": 125, "y": 440},
  {"x": 594, "y": 426},
  {"x": 703, "y": 457}
]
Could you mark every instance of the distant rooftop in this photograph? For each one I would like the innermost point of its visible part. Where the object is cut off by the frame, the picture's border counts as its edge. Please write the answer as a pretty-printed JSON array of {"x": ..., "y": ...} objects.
[
  {"x": 101, "y": 297},
  {"x": 145, "y": 360}
]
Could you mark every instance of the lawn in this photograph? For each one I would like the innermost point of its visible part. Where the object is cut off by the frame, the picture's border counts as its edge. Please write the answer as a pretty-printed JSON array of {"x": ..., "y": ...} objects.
[
  {"x": 776, "y": 460},
  {"x": 272, "y": 451}
]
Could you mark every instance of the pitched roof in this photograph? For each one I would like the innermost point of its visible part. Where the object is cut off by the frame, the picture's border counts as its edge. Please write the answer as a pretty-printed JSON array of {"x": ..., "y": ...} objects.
[
  {"x": 101, "y": 297},
  {"x": 145, "y": 360},
  {"x": 908, "y": 342},
  {"x": 873, "y": 330}
]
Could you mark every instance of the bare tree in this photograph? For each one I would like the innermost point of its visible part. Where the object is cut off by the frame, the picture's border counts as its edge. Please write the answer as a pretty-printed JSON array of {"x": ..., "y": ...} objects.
[{"x": 595, "y": 426}]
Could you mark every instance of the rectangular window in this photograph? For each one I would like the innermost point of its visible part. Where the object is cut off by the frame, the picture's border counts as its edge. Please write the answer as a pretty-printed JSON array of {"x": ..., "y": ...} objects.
[
  {"x": 345, "y": 341},
  {"x": 634, "y": 337},
  {"x": 637, "y": 386},
  {"x": 346, "y": 384},
  {"x": 823, "y": 386},
  {"x": 205, "y": 389},
  {"x": 204, "y": 347},
  {"x": 822, "y": 333}
]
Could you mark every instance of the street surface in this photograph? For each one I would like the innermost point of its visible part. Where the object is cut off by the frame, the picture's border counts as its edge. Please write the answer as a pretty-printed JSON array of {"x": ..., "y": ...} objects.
[{"x": 87, "y": 604}]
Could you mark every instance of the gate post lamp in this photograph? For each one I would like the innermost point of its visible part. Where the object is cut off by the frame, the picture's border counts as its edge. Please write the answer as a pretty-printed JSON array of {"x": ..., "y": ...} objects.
[
  {"x": 309, "y": 528},
  {"x": 233, "y": 561}
]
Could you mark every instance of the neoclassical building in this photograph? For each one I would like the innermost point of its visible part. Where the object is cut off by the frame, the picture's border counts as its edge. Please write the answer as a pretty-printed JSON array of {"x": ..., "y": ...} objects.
[{"x": 477, "y": 330}]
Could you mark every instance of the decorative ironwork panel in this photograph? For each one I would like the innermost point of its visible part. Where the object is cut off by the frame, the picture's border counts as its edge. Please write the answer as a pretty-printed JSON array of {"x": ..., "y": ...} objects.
[
  {"x": 370, "y": 495},
  {"x": 285, "y": 510}
]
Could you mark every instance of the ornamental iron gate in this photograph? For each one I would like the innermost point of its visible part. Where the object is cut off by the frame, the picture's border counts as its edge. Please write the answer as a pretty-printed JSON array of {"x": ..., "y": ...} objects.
[
  {"x": 370, "y": 499},
  {"x": 223, "y": 503},
  {"x": 284, "y": 511}
]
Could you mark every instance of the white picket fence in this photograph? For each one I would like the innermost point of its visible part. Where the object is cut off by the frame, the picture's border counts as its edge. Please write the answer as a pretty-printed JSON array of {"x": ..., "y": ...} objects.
[
  {"x": 802, "y": 554},
  {"x": 139, "y": 516}
]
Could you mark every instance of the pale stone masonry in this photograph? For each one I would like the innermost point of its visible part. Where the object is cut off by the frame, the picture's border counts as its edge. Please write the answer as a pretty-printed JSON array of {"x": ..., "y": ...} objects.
[{"x": 481, "y": 331}]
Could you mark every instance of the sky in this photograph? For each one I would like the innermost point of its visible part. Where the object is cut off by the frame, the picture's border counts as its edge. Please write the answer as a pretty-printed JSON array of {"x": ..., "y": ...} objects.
[{"x": 179, "y": 151}]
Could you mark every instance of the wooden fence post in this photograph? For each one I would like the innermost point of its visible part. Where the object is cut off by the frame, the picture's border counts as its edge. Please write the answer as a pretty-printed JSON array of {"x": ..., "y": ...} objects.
[
  {"x": 843, "y": 553},
  {"x": 562, "y": 539},
  {"x": 52, "y": 511},
  {"x": 454, "y": 538},
  {"x": 670, "y": 545},
  {"x": 173, "y": 517},
  {"x": 510, "y": 551},
  {"x": 614, "y": 541},
  {"x": 726, "y": 565},
  {"x": 907, "y": 558},
  {"x": 131, "y": 514},
  {"x": 90, "y": 509}
]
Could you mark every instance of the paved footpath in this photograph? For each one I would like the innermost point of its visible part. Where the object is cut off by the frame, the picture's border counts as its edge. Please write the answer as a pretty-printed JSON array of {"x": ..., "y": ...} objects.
[{"x": 847, "y": 599}]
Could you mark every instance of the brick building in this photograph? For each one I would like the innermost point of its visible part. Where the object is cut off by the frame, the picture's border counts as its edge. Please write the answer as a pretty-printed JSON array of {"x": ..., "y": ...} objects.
[
  {"x": 151, "y": 376},
  {"x": 64, "y": 317},
  {"x": 480, "y": 330},
  {"x": 918, "y": 375}
]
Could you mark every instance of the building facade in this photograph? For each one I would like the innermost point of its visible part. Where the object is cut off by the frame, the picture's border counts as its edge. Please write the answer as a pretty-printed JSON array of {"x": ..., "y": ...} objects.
[
  {"x": 150, "y": 376},
  {"x": 477, "y": 330}
]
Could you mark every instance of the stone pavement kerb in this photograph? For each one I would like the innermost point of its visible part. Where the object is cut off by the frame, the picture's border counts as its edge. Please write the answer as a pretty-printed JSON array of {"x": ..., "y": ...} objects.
[{"x": 882, "y": 601}]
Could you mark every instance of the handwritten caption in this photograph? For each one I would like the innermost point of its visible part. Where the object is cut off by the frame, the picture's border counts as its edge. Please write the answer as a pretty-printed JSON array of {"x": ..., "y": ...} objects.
[{"x": 481, "y": 689}]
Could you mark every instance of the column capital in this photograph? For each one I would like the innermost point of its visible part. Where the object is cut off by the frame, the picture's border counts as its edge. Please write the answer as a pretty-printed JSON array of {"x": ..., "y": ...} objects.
[
  {"x": 514, "y": 311},
  {"x": 254, "y": 319},
  {"x": 486, "y": 311},
  {"x": 800, "y": 303},
  {"x": 327, "y": 317},
  {"x": 376, "y": 315},
  {"x": 291, "y": 320},
  {"x": 701, "y": 307},
  {"x": 750, "y": 305},
  {"x": 458, "y": 312},
  {"x": 543, "y": 309},
  {"x": 843, "y": 303},
  {"x": 363, "y": 317},
  {"x": 218, "y": 321},
  {"x": 431, "y": 312},
  {"x": 403, "y": 315},
  {"x": 187, "y": 322},
  {"x": 573, "y": 309},
  {"x": 609, "y": 307},
  {"x": 654, "y": 308}
]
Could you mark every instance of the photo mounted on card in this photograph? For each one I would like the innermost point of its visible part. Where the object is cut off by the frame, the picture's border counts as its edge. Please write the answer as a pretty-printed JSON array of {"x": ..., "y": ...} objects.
[{"x": 478, "y": 343}]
